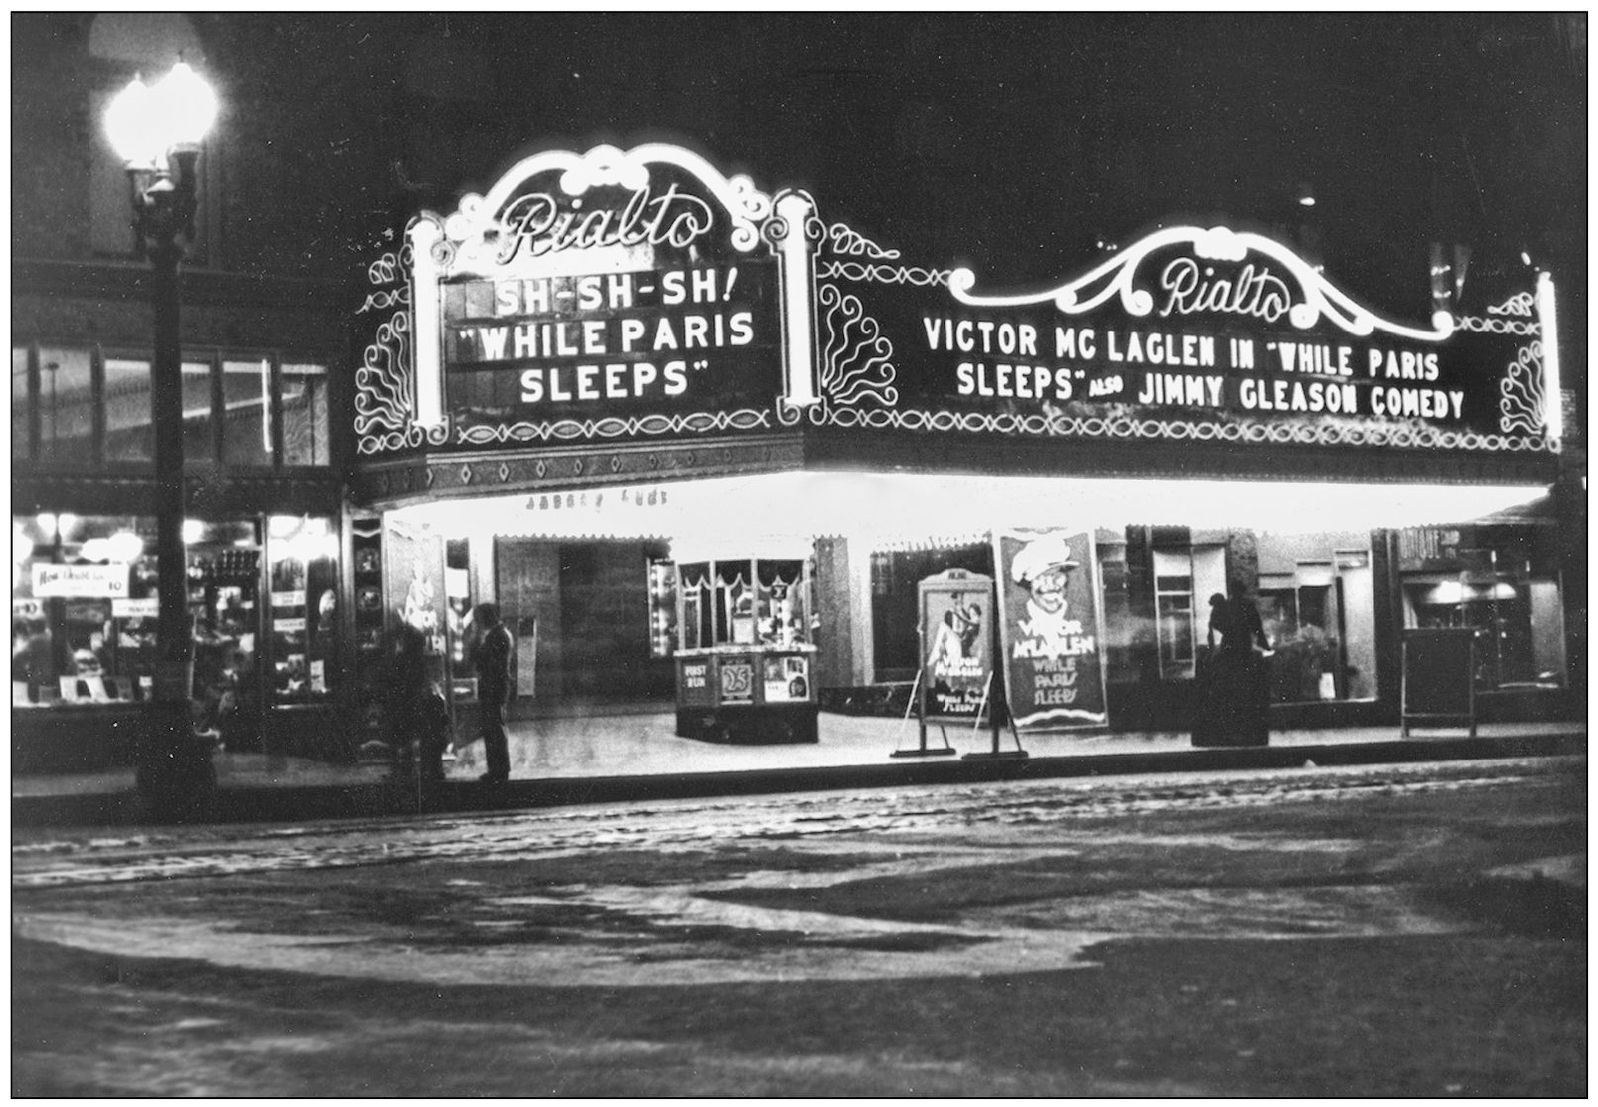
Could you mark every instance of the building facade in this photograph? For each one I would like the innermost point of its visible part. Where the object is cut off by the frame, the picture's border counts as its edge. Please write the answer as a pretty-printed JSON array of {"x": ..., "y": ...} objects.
[
  {"x": 620, "y": 374},
  {"x": 682, "y": 424}
]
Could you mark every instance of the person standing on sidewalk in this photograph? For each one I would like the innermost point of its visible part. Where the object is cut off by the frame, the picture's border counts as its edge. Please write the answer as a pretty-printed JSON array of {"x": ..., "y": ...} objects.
[
  {"x": 493, "y": 689},
  {"x": 404, "y": 684}
]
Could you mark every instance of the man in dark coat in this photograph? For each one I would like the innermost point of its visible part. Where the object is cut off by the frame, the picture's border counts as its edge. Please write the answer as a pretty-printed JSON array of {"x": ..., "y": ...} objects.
[{"x": 493, "y": 689}]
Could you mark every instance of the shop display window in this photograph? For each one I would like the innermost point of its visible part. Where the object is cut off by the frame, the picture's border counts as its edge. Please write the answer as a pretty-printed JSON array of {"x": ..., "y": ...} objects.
[
  {"x": 224, "y": 573},
  {"x": 744, "y": 603},
  {"x": 1520, "y": 634},
  {"x": 83, "y": 609},
  {"x": 302, "y": 573},
  {"x": 1316, "y": 598}
]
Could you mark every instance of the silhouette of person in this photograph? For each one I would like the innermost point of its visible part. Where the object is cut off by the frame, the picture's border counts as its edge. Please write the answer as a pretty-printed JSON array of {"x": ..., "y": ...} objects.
[
  {"x": 1230, "y": 686},
  {"x": 493, "y": 690}
]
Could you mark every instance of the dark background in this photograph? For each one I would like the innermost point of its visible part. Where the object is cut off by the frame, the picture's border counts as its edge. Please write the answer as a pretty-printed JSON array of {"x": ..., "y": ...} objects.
[{"x": 1012, "y": 143}]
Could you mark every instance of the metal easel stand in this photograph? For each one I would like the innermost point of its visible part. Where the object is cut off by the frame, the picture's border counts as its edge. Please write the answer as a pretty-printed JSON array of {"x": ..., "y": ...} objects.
[
  {"x": 999, "y": 705},
  {"x": 922, "y": 750}
]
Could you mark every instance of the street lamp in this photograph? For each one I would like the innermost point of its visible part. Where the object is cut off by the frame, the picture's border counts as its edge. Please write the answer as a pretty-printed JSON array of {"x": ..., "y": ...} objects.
[{"x": 157, "y": 131}]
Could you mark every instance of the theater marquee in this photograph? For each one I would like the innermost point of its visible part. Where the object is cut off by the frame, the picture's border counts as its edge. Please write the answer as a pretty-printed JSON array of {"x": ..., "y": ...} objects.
[
  {"x": 1202, "y": 334},
  {"x": 642, "y": 295}
]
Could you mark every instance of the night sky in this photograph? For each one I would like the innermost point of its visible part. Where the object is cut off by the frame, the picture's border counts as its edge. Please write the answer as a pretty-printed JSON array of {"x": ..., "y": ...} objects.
[{"x": 1011, "y": 143}]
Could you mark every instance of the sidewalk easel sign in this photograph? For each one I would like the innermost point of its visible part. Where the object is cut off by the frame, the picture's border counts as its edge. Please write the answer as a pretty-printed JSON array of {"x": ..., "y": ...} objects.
[
  {"x": 955, "y": 630},
  {"x": 1050, "y": 633}
]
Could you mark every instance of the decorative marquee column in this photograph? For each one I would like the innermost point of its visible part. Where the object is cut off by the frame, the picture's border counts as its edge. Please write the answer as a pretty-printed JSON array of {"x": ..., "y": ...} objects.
[
  {"x": 795, "y": 211},
  {"x": 425, "y": 235}
]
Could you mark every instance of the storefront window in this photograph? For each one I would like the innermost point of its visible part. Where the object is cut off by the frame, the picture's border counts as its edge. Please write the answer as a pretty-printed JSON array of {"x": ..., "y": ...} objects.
[
  {"x": 83, "y": 609},
  {"x": 246, "y": 412},
  {"x": 199, "y": 419},
  {"x": 70, "y": 396},
  {"x": 303, "y": 571},
  {"x": 224, "y": 570},
  {"x": 1183, "y": 582},
  {"x": 1518, "y": 618},
  {"x": 128, "y": 432},
  {"x": 305, "y": 419},
  {"x": 66, "y": 407},
  {"x": 1316, "y": 599}
]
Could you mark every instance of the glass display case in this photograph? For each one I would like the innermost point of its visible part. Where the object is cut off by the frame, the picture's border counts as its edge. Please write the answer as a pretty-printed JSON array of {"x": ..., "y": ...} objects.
[{"x": 745, "y": 660}]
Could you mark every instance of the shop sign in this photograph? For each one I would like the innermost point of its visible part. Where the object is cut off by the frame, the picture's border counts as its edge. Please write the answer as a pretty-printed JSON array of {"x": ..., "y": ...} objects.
[
  {"x": 694, "y": 688},
  {"x": 148, "y": 607},
  {"x": 957, "y": 650},
  {"x": 1420, "y": 546},
  {"x": 1050, "y": 628},
  {"x": 102, "y": 581},
  {"x": 27, "y": 609}
]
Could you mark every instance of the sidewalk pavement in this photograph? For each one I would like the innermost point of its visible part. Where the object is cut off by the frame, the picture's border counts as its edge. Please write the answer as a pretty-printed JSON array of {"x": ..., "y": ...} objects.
[{"x": 610, "y": 758}]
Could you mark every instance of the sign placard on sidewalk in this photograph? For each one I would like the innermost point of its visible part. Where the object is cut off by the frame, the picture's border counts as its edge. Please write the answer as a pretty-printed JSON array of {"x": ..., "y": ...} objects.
[
  {"x": 1050, "y": 628},
  {"x": 956, "y": 637}
]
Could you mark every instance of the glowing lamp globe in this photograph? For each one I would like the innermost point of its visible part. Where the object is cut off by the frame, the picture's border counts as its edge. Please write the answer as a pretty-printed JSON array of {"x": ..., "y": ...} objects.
[{"x": 186, "y": 105}]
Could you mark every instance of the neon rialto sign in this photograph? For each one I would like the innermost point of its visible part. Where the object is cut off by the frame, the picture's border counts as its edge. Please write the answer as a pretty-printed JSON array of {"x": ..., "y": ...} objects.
[
  {"x": 1220, "y": 272},
  {"x": 540, "y": 224},
  {"x": 1193, "y": 290}
]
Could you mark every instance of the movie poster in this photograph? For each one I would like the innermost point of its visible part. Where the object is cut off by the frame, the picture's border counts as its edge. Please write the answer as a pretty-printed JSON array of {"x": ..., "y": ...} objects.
[
  {"x": 1049, "y": 625},
  {"x": 956, "y": 636}
]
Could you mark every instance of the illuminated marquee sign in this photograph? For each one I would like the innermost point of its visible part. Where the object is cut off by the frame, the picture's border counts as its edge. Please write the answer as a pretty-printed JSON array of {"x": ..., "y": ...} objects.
[
  {"x": 610, "y": 343},
  {"x": 612, "y": 294},
  {"x": 1190, "y": 333},
  {"x": 642, "y": 294}
]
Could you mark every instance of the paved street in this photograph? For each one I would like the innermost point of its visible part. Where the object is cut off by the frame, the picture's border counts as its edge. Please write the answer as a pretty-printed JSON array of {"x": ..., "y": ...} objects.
[{"x": 1378, "y": 930}]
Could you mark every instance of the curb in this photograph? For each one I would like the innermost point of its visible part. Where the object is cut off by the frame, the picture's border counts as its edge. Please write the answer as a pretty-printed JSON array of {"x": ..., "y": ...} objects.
[{"x": 304, "y": 803}]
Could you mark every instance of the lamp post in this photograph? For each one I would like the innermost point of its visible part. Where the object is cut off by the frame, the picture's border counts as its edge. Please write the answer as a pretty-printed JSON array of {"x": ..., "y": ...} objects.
[{"x": 157, "y": 131}]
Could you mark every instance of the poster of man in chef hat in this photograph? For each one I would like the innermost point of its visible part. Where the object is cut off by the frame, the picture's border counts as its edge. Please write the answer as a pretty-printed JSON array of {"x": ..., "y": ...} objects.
[{"x": 1049, "y": 626}]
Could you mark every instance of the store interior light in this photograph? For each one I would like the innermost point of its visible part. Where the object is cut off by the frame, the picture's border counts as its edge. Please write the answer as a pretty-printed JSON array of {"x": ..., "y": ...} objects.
[
  {"x": 21, "y": 544},
  {"x": 95, "y": 549},
  {"x": 193, "y": 532},
  {"x": 124, "y": 545}
]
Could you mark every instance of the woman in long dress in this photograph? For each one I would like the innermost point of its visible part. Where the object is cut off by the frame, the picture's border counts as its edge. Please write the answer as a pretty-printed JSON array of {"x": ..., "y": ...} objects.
[{"x": 1231, "y": 684}]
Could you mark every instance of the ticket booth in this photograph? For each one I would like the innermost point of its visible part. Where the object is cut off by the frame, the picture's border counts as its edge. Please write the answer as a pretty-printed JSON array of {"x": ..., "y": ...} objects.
[{"x": 744, "y": 656}]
